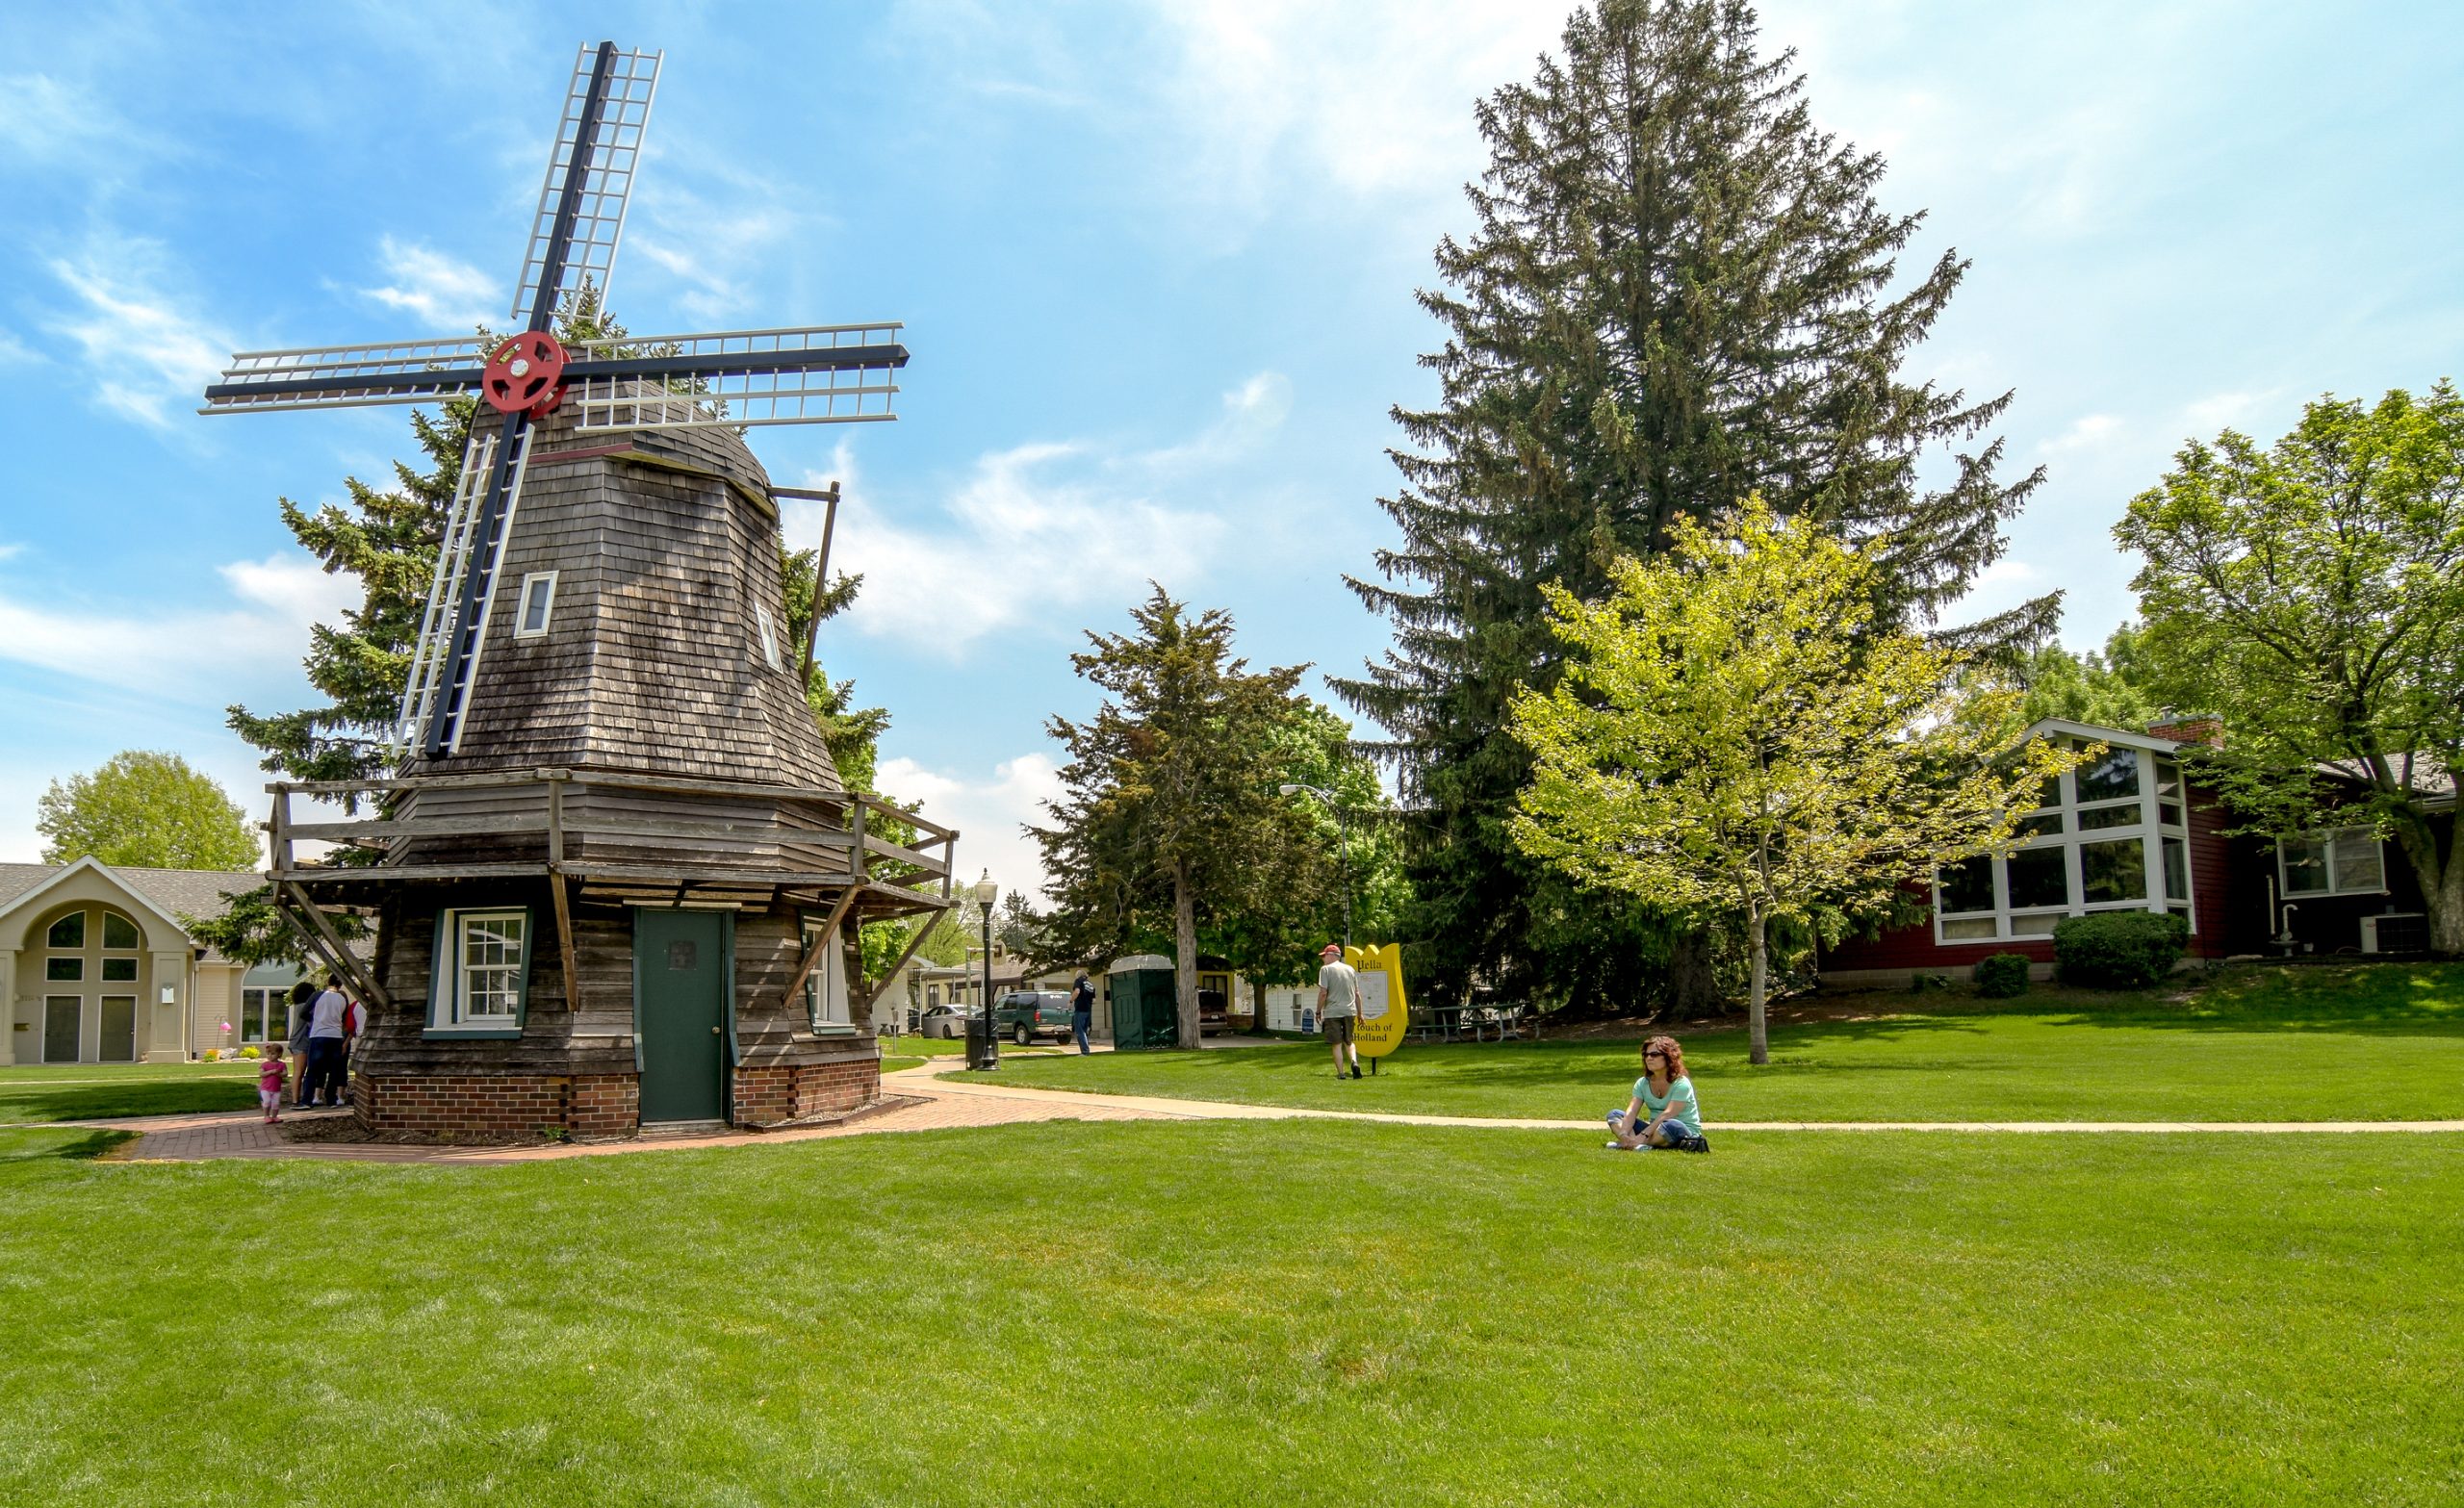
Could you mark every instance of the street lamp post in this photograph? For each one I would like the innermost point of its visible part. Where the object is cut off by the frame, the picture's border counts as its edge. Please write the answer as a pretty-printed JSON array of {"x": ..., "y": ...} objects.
[
  {"x": 983, "y": 1052},
  {"x": 1343, "y": 844}
]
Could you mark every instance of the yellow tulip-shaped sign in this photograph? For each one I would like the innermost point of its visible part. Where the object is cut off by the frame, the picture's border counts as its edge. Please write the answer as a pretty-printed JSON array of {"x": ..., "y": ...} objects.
[{"x": 1378, "y": 1029}]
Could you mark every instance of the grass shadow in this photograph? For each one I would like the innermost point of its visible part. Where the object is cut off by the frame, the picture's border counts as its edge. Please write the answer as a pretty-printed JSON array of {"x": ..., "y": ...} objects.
[
  {"x": 73, "y": 1144},
  {"x": 24, "y": 1100}
]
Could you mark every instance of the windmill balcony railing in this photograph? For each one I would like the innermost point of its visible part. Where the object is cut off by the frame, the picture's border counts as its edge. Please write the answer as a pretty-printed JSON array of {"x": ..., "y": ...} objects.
[{"x": 611, "y": 828}]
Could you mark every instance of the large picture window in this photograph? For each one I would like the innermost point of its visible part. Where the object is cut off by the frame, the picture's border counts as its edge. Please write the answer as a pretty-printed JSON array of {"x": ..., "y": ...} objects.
[
  {"x": 484, "y": 967},
  {"x": 2346, "y": 862},
  {"x": 2112, "y": 834}
]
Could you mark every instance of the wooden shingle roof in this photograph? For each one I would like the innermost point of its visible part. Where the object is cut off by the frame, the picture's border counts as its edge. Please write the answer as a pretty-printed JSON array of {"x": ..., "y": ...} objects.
[{"x": 665, "y": 548}]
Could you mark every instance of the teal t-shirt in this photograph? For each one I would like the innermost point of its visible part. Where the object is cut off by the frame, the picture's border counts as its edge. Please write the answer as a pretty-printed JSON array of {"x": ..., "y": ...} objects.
[{"x": 1681, "y": 1092}]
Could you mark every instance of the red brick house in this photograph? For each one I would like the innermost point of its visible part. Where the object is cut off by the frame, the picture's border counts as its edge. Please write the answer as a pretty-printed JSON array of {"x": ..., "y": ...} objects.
[{"x": 2134, "y": 829}]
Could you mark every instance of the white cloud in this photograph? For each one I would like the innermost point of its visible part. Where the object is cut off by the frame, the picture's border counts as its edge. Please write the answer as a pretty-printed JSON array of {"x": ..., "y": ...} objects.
[
  {"x": 12, "y": 549},
  {"x": 14, "y": 349},
  {"x": 2224, "y": 411},
  {"x": 2090, "y": 432},
  {"x": 445, "y": 293},
  {"x": 987, "y": 814},
  {"x": 199, "y": 656},
  {"x": 1377, "y": 97},
  {"x": 715, "y": 254},
  {"x": 1039, "y": 529},
  {"x": 143, "y": 351}
]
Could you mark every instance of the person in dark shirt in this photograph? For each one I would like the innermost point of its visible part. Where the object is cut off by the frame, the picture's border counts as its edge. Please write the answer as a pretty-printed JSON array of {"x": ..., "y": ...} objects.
[{"x": 1082, "y": 1010}]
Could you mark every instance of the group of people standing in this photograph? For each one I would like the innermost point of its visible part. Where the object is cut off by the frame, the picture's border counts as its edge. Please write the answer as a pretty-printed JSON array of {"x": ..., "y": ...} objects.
[{"x": 324, "y": 1022}]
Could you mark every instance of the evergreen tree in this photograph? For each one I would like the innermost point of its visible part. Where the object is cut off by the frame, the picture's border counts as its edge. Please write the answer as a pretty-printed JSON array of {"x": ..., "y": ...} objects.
[
  {"x": 1170, "y": 806},
  {"x": 1678, "y": 294}
]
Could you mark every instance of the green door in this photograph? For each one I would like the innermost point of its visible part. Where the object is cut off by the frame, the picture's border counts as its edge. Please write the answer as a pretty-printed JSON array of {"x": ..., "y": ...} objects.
[{"x": 680, "y": 1002}]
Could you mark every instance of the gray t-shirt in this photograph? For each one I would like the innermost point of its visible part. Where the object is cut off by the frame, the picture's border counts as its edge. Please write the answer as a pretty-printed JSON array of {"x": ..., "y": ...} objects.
[{"x": 1342, "y": 985}]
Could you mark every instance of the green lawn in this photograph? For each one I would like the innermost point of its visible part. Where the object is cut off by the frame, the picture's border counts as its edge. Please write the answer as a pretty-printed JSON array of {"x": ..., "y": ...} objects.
[
  {"x": 90, "y": 1091},
  {"x": 1192, "y": 1312},
  {"x": 2384, "y": 1042}
]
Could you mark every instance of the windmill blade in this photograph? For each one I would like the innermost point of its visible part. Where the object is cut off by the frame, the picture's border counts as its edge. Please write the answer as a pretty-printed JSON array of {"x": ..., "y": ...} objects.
[
  {"x": 819, "y": 374},
  {"x": 606, "y": 166},
  {"x": 346, "y": 376},
  {"x": 444, "y": 664},
  {"x": 444, "y": 591}
]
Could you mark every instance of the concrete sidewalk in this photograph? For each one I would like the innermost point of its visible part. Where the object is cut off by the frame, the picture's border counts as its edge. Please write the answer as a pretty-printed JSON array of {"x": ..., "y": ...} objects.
[
  {"x": 923, "y": 1099},
  {"x": 1153, "y": 1106}
]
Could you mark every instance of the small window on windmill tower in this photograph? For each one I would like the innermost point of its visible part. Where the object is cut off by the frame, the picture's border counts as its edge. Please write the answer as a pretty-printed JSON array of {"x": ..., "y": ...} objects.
[
  {"x": 769, "y": 634},
  {"x": 538, "y": 602}
]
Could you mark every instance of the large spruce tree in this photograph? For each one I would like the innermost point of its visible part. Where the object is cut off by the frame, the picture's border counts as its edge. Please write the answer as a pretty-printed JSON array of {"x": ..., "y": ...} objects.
[{"x": 1679, "y": 291}]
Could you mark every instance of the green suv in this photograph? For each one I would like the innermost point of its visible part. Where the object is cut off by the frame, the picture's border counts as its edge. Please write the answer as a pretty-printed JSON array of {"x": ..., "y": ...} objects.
[{"x": 1024, "y": 1014}]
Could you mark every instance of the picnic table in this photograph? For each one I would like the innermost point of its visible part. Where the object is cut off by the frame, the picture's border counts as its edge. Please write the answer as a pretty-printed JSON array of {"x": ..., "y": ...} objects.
[{"x": 1469, "y": 1023}]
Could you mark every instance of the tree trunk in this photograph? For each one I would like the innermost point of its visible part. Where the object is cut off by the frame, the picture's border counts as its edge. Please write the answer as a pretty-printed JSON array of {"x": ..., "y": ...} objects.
[
  {"x": 2441, "y": 877},
  {"x": 1185, "y": 952},
  {"x": 1757, "y": 1033},
  {"x": 1693, "y": 983},
  {"x": 1258, "y": 1006}
]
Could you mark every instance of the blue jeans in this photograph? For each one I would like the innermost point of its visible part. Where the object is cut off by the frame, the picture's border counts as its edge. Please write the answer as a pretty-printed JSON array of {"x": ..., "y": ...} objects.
[{"x": 1079, "y": 1022}]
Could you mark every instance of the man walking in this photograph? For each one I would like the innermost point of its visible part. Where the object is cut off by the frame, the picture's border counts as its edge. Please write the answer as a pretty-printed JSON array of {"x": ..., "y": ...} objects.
[
  {"x": 1082, "y": 1010},
  {"x": 328, "y": 1030},
  {"x": 1338, "y": 998}
]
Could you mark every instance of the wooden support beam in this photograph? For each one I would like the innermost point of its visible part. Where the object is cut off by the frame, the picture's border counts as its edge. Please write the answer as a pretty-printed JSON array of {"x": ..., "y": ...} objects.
[
  {"x": 813, "y": 955},
  {"x": 389, "y": 873},
  {"x": 820, "y": 570},
  {"x": 338, "y": 953},
  {"x": 556, "y": 887},
  {"x": 872, "y": 997}
]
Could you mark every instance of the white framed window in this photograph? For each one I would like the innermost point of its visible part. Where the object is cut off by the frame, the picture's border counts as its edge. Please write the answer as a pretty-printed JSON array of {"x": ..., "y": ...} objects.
[
  {"x": 769, "y": 628},
  {"x": 2111, "y": 836},
  {"x": 538, "y": 604},
  {"x": 2344, "y": 862},
  {"x": 483, "y": 969},
  {"x": 264, "y": 1014},
  {"x": 826, "y": 1003}
]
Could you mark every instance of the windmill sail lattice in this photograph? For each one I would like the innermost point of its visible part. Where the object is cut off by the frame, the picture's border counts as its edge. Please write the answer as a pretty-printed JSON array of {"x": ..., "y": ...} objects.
[{"x": 795, "y": 375}]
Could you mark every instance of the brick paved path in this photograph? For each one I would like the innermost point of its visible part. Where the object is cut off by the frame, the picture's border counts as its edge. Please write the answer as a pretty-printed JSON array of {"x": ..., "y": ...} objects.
[
  {"x": 914, "y": 1101},
  {"x": 919, "y": 1099}
]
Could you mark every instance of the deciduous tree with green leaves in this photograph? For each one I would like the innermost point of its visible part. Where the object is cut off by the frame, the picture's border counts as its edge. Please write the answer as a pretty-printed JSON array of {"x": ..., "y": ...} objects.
[
  {"x": 1733, "y": 732},
  {"x": 2313, "y": 592},
  {"x": 152, "y": 811},
  {"x": 1168, "y": 804},
  {"x": 2109, "y": 687}
]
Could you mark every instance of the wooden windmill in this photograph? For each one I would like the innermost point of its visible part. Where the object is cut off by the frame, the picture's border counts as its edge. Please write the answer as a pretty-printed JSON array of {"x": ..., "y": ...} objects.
[{"x": 617, "y": 877}]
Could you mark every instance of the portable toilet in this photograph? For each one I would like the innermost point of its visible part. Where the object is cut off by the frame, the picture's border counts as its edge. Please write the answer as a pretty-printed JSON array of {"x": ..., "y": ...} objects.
[{"x": 1144, "y": 1011}]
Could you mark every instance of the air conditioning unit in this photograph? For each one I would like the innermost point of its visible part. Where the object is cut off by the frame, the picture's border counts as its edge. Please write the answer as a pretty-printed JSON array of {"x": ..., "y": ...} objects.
[{"x": 2394, "y": 932}]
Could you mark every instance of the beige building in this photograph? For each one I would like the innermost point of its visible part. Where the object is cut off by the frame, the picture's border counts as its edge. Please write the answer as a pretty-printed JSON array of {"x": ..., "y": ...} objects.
[{"x": 96, "y": 967}]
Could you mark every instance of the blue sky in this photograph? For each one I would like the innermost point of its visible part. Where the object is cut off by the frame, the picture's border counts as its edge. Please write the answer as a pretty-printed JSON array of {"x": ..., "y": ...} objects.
[{"x": 1157, "y": 266}]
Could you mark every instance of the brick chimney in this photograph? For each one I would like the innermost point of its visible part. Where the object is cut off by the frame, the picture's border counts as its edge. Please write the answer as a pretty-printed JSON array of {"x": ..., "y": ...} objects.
[{"x": 2208, "y": 730}]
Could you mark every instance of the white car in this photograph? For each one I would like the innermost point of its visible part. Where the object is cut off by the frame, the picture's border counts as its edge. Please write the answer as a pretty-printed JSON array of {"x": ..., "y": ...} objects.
[{"x": 946, "y": 1021}]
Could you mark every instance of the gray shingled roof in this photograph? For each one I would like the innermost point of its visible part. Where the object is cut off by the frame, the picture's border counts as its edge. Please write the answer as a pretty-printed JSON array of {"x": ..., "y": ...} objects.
[
  {"x": 653, "y": 659},
  {"x": 181, "y": 892}
]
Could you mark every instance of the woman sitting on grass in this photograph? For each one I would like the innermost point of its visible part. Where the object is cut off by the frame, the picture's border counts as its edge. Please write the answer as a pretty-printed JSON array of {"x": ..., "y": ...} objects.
[{"x": 1676, "y": 1123}]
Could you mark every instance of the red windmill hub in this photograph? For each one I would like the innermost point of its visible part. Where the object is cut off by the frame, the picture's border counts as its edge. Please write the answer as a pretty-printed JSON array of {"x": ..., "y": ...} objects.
[{"x": 525, "y": 373}]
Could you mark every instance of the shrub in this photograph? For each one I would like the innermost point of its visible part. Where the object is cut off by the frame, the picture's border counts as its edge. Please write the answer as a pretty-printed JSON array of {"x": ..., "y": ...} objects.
[
  {"x": 2001, "y": 975},
  {"x": 1928, "y": 983},
  {"x": 2116, "y": 950}
]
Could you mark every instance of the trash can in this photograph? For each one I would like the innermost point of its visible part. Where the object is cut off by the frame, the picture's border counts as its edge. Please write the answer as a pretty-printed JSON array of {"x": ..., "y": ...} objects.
[{"x": 1144, "y": 1012}]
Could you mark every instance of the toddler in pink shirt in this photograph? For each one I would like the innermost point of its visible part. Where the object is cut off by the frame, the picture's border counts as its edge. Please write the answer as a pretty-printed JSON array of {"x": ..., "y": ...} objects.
[{"x": 270, "y": 1086}]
